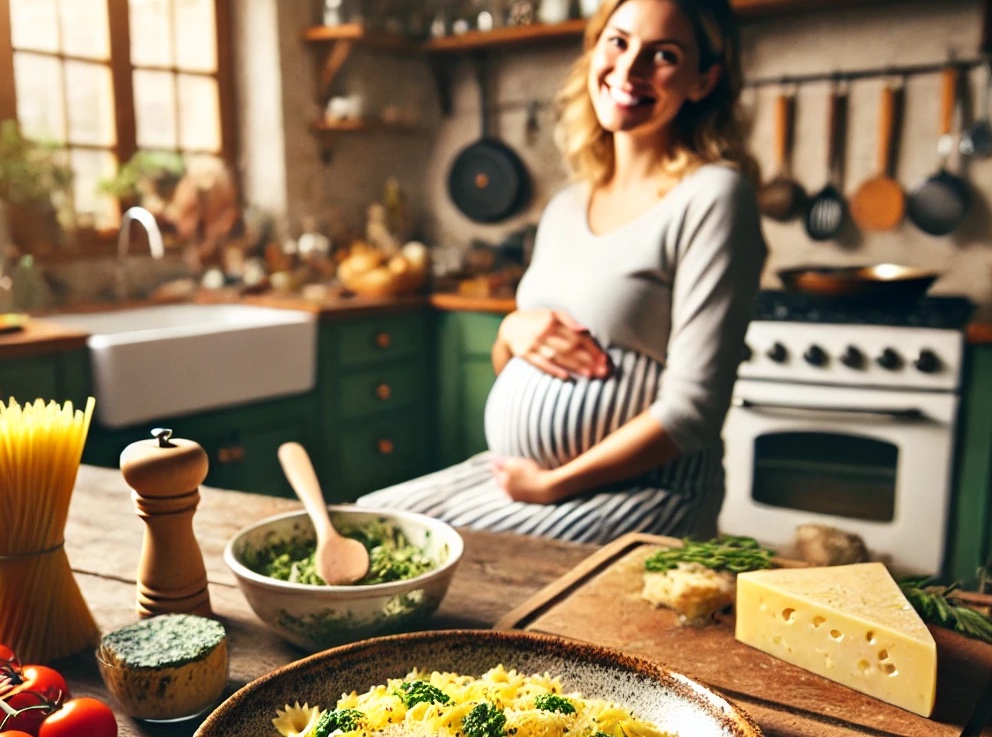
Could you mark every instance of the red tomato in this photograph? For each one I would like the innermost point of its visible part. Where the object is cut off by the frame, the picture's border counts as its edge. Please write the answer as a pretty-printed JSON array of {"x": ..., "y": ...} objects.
[
  {"x": 39, "y": 687},
  {"x": 14, "y": 733},
  {"x": 82, "y": 716}
]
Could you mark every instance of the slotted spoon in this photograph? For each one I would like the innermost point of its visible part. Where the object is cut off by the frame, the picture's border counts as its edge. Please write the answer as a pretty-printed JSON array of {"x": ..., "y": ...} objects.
[
  {"x": 826, "y": 212},
  {"x": 339, "y": 559}
]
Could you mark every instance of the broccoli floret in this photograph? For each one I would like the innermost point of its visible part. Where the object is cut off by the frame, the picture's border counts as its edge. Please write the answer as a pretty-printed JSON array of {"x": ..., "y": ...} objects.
[
  {"x": 415, "y": 692},
  {"x": 484, "y": 720},
  {"x": 337, "y": 720},
  {"x": 554, "y": 702}
]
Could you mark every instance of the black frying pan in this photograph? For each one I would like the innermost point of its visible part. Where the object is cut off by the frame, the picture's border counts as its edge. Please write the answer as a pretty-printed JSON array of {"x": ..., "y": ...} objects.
[
  {"x": 488, "y": 181},
  {"x": 940, "y": 202}
]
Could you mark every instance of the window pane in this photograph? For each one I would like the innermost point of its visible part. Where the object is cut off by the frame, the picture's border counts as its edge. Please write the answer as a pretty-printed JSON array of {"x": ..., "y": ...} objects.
[
  {"x": 85, "y": 30},
  {"x": 196, "y": 36},
  {"x": 91, "y": 103},
  {"x": 151, "y": 33},
  {"x": 155, "y": 109},
  {"x": 40, "y": 106},
  {"x": 91, "y": 206},
  {"x": 34, "y": 25},
  {"x": 200, "y": 113}
]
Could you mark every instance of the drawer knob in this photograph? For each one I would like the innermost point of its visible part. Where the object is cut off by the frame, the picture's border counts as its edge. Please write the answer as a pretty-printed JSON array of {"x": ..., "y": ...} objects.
[
  {"x": 383, "y": 391},
  {"x": 384, "y": 446},
  {"x": 383, "y": 340},
  {"x": 230, "y": 454}
]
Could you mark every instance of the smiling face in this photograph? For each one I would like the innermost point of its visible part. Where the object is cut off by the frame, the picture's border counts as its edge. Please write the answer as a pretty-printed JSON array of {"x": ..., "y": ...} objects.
[{"x": 644, "y": 66}]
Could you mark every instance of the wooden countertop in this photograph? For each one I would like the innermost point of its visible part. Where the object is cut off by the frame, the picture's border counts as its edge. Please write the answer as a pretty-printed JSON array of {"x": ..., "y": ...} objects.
[
  {"x": 103, "y": 542},
  {"x": 41, "y": 337}
]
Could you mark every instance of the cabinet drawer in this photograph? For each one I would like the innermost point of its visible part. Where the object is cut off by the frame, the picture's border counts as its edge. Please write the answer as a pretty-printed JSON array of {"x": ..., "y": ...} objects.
[
  {"x": 381, "y": 389},
  {"x": 29, "y": 379},
  {"x": 377, "y": 455},
  {"x": 368, "y": 341}
]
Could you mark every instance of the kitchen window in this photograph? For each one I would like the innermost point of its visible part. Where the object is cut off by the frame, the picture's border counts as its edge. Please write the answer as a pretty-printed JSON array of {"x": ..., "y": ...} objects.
[{"x": 104, "y": 79}]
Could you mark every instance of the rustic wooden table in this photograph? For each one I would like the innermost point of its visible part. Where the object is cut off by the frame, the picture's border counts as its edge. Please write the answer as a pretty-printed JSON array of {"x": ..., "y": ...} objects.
[{"x": 103, "y": 542}]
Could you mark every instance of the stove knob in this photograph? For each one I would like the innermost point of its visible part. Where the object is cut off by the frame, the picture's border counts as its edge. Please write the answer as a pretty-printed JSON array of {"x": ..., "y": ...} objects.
[
  {"x": 815, "y": 356},
  {"x": 853, "y": 358},
  {"x": 778, "y": 353},
  {"x": 928, "y": 362},
  {"x": 889, "y": 359}
]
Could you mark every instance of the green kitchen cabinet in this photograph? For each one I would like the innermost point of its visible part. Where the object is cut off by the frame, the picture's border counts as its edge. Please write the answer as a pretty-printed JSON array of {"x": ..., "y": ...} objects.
[
  {"x": 376, "y": 402},
  {"x": 54, "y": 376},
  {"x": 464, "y": 378},
  {"x": 971, "y": 515},
  {"x": 240, "y": 442}
]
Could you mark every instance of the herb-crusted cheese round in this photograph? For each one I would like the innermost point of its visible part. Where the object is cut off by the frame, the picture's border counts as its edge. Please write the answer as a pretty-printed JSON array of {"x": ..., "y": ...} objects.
[{"x": 167, "y": 667}]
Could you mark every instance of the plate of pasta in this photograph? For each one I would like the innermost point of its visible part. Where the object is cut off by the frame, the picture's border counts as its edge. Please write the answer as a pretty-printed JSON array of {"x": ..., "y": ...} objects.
[{"x": 476, "y": 683}]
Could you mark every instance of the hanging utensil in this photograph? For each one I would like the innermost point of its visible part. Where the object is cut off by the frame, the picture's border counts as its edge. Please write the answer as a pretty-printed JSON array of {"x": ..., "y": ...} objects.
[
  {"x": 488, "y": 181},
  {"x": 338, "y": 560},
  {"x": 976, "y": 142},
  {"x": 782, "y": 198},
  {"x": 827, "y": 211},
  {"x": 879, "y": 203},
  {"x": 940, "y": 202}
]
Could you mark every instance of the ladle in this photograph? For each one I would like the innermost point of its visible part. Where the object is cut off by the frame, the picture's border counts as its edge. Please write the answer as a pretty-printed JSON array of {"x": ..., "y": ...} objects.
[{"x": 339, "y": 559}]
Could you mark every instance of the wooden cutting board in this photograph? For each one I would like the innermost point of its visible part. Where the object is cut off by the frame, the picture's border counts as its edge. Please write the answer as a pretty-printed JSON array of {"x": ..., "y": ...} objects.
[{"x": 599, "y": 601}]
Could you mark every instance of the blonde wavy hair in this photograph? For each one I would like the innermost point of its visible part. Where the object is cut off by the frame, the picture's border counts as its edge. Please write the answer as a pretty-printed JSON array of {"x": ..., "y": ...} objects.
[{"x": 707, "y": 131}]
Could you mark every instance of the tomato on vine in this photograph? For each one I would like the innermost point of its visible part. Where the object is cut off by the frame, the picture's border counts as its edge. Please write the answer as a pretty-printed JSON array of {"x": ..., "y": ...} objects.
[
  {"x": 14, "y": 733},
  {"x": 30, "y": 694},
  {"x": 80, "y": 716},
  {"x": 7, "y": 656}
]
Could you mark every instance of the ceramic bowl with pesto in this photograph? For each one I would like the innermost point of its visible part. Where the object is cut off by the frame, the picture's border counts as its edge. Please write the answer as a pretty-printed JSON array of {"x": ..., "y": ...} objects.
[{"x": 413, "y": 558}]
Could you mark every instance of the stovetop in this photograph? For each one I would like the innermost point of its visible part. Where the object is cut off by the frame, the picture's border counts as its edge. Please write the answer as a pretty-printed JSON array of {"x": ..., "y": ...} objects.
[{"x": 941, "y": 312}]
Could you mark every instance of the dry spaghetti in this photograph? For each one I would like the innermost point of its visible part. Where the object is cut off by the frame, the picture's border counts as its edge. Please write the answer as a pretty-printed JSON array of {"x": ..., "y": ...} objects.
[
  {"x": 42, "y": 612},
  {"x": 525, "y": 706}
]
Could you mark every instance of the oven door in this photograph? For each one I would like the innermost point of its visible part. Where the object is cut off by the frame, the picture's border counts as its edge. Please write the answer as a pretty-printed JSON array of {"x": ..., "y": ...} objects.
[{"x": 873, "y": 462}]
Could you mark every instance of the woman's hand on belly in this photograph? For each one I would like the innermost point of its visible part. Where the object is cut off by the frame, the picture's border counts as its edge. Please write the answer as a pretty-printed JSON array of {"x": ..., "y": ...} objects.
[
  {"x": 523, "y": 480},
  {"x": 554, "y": 342}
]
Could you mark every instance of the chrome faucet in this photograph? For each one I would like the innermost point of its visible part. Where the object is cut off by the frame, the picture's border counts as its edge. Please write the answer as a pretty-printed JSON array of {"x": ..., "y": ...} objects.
[{"x": 155, "y": 243}]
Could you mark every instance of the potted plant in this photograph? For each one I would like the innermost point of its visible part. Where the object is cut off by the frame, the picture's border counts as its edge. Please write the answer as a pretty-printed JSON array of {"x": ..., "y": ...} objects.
[
  {"x": 149, "y": 179},
  {"x": 34, "y": 182}
]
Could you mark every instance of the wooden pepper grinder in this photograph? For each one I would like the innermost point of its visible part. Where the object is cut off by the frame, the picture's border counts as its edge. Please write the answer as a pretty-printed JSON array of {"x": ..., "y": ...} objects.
[{"x": 165, "y": 475}]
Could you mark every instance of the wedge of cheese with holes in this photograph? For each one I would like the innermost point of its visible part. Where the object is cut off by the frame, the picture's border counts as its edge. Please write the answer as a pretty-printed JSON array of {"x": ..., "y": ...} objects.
[{"x": 850, "y": 624}]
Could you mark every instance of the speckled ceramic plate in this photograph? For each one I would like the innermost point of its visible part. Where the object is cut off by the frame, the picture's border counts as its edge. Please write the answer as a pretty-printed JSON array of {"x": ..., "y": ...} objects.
[{"x": 670, "y": 700}]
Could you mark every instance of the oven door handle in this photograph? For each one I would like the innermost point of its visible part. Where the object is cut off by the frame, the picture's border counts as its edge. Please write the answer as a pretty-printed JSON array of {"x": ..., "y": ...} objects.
[{"x": 906, "y": 413}]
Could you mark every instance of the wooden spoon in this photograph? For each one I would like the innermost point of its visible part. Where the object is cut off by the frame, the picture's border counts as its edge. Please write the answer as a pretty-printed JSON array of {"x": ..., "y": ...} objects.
[
  {"x": 339, "y": 559},
  {"x": 879, "y": 203},
  {"x": 782, "y": 198}
]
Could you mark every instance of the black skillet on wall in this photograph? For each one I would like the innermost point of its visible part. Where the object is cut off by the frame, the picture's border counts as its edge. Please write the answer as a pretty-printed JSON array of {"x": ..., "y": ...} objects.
[{"x": 488, "y": 181}]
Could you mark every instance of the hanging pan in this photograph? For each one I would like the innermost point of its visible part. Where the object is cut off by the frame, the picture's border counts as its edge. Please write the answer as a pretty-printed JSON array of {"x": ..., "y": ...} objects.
[
  {"x": 879, "y": 203},
  {"x": 940, "y": 202},
  {"x": 488, "y": 181}
]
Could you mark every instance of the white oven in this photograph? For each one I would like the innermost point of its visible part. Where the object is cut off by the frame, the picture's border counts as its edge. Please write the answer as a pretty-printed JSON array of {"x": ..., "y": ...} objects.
[{"x": 850, "y": 426}]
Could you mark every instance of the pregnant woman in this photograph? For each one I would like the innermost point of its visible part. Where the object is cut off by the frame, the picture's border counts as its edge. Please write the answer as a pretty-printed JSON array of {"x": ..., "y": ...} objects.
[{"x": 615, "y": 373}]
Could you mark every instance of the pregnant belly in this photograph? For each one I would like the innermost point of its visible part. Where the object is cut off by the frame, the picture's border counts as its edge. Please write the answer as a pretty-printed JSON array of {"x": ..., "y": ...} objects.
[{"x": 534, "y": 415}]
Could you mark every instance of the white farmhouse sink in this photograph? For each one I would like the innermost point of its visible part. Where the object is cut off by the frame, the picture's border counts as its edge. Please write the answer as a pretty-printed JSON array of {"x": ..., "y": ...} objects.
[{"x": 158, "y": 362}]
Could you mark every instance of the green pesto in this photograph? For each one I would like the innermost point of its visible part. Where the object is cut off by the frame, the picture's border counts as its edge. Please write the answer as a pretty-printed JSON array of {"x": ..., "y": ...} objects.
[
  {"x": 392, "y": 557},
  {"x": 165, "y": 641},
  {"x": 485, "y": 720}
]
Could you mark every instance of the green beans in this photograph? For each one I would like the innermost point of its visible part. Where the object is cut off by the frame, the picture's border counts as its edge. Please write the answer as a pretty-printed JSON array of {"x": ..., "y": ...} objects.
[
  {"x": 724, "y": 553},
  {"x": 939, "y": 605}
]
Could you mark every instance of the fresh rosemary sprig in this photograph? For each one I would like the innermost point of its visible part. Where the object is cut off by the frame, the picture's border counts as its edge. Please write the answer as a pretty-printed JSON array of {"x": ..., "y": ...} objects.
[
  {"x": 724, "y": 553},
  {"x": 938, "y": 605}
]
